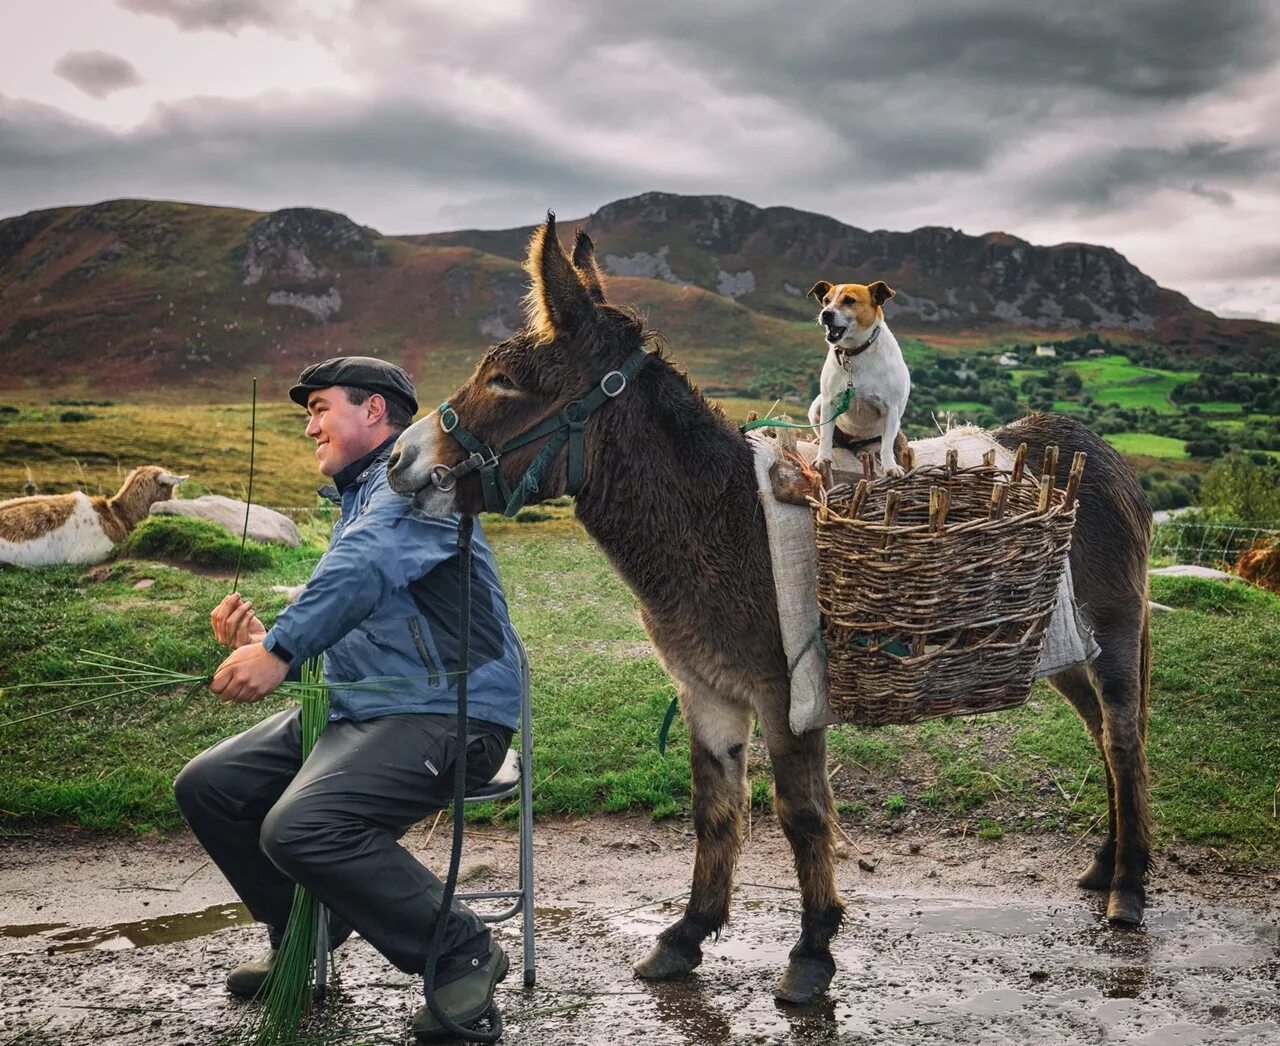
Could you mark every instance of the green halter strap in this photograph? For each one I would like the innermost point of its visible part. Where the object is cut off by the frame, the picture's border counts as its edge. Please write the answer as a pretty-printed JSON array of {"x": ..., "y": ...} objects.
[{"x": 568, "y": 426}]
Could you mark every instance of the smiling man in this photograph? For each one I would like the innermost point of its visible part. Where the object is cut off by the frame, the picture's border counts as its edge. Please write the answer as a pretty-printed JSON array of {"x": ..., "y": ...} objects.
[{"x": 382, "y": 606}]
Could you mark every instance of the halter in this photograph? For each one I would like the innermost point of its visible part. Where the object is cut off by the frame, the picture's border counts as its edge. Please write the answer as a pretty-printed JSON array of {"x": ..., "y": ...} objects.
[{"x": 566, "y": 427}]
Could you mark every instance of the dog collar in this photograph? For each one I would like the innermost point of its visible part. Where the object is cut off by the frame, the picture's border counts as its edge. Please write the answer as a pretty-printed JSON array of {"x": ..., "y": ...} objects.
[{"x": 848, "y": 354}]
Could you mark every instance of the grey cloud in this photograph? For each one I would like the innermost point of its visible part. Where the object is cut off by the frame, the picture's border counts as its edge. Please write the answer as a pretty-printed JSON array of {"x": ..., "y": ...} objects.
[
  {"x": 321, "y": 153},
  {"x": 898, "y": 89},
  {"x": 1099, "y": 181},
  {"x": 97, "y": 73},
  {"x": 224, "y": 15}
]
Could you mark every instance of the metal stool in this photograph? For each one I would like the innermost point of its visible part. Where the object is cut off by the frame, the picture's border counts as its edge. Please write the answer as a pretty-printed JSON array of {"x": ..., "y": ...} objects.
[{"x": 515, "y": 775}]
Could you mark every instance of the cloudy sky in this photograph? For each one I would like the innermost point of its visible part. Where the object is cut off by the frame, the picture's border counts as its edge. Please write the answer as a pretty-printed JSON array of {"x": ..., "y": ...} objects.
[{"x": 1149, "y": 125}]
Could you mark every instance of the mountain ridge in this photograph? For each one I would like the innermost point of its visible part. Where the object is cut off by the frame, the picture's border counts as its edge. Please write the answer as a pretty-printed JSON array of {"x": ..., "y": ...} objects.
[{"x": 130, "y": 295}]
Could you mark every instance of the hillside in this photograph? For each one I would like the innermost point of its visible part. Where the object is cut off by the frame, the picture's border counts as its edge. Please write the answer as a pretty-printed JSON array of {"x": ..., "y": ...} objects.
[
  {"x": 947, "y": 282},
  {"x": 135, "y": 296}
]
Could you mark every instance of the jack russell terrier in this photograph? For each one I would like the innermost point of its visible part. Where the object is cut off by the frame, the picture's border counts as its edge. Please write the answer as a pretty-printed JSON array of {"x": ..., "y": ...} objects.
[{"x": 862, "y": 355}]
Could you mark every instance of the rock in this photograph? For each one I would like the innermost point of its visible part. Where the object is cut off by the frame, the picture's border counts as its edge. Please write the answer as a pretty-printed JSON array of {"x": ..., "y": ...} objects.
[
  {"x": 264, "y": 524},
  {"x": 146, "y": 582},
  {"x": 1159, "y": 608},
  {"x": 475, "y": 870},
  {"x": 841, "y": 850},
  {"x": 290, "y": 592},
  {"x": 1190, "y": 570},
  {"x": 865, "y": 865}
]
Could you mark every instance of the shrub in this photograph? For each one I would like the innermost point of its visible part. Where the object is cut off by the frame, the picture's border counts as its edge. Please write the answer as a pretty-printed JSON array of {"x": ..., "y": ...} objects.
[
  {"x": 76, "y": 415},
  {"x": 1243, "y": 488}
]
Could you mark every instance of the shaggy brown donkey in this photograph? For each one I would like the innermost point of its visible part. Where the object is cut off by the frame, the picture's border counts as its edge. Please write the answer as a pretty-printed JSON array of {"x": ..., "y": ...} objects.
[{"x": 668, "y": 490}]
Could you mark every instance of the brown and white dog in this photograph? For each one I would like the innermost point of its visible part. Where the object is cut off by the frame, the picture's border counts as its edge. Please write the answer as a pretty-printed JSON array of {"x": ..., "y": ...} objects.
[{"x": 862, "y": 355}]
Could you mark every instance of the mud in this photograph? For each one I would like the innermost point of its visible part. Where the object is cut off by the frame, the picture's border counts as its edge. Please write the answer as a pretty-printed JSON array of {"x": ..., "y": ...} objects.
[{"x": 948, "y": 940}]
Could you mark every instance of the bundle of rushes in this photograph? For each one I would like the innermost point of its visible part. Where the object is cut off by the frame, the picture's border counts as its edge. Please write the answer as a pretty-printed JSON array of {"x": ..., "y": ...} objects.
[
  {"x": 936, "y": 587},
  {"x": 290, "y": 986}
]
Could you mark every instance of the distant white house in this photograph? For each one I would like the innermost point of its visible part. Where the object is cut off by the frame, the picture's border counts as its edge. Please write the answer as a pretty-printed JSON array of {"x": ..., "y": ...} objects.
[
  {"x": 1006, "y": 360},
  {"x": 1047, "y": 351}
]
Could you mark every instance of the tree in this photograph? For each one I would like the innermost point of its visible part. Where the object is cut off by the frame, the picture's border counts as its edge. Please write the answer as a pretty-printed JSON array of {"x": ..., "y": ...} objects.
[{"x": 1244, "y": 489}]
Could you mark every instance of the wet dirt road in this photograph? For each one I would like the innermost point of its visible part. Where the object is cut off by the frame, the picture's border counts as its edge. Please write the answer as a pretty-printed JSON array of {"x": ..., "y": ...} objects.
[{"x": 947, "y": 941}]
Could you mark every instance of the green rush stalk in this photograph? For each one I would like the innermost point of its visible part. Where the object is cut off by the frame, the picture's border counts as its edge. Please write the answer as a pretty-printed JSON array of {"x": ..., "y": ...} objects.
[{"x": 287, "y": 992}]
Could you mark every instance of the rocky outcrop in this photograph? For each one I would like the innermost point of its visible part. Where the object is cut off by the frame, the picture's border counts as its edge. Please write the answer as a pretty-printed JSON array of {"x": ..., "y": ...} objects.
[
  {"x": 302, "y": 245},
  {"x": 265, "y": 524}
]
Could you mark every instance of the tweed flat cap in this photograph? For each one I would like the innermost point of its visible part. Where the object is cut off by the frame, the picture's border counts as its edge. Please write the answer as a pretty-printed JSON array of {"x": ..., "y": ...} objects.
[{"x": 361, "y": 372}]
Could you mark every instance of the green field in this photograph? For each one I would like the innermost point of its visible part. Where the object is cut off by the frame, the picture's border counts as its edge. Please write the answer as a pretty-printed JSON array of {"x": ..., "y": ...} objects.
[
  {"x": 599, "y": 696},
  {"x": 1148, "y": 445},
  {"x": 1113, "y": 379}
]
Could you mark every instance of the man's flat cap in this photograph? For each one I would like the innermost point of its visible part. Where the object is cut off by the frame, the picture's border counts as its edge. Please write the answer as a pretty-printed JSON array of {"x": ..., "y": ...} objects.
[{"x": 361, "y": 372}]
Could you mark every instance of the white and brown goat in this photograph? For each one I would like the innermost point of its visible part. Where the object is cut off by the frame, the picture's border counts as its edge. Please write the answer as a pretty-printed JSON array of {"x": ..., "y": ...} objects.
[{"x": 79, "y": 528}]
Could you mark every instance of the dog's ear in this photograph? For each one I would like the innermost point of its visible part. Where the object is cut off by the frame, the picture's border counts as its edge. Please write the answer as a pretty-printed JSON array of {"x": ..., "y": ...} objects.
[
  {"x": 820, "y": 290},
  {"x": 880, "y": 291}
]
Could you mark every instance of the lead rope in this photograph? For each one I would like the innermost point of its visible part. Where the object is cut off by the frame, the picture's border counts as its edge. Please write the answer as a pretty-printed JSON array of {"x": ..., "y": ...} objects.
[{"x": 459, "y": 796}]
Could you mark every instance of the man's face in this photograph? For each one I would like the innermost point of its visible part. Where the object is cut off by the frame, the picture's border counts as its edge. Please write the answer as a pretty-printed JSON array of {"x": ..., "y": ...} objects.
[{"x": 344, "y": 432}]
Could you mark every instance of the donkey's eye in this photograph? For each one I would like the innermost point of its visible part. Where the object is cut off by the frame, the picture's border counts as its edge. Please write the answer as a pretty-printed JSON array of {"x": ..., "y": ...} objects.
[{"x": 501, "y": 381}]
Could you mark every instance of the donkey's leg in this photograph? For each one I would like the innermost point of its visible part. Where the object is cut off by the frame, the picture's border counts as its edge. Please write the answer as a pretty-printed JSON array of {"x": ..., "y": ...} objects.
[
  {"x": 718, "y": 735},
  {"x": 806, "y": 810},
  {"x": 1077, "y": 686},
  {"x": 1122, "y": 670}
]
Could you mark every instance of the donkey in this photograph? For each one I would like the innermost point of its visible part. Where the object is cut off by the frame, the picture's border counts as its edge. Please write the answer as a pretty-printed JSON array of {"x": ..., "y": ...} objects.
[{"x": 665, "y": 484}]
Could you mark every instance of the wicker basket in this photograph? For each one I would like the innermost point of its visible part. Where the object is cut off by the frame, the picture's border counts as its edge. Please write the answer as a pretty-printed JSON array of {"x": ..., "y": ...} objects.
[{"x": 936, "y": 587}]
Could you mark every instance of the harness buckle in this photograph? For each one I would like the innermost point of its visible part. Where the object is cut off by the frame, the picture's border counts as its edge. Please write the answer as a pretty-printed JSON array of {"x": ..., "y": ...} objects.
[
  {"x": 622, "y": 383},
  {"x": 442, "y": 477},
  {"x": 448, "y": 417}
]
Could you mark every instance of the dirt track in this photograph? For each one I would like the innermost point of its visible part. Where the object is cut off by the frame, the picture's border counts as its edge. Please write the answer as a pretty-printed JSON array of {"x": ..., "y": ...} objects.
[{"x": 948, "y": 940}]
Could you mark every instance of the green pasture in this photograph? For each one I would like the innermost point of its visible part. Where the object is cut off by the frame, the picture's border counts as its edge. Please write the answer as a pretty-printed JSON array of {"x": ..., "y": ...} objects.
[
  {"x": 1113, "y": 379},
  {"x": 1149, "y": 445},
  {"x": 599, "y": 696}
]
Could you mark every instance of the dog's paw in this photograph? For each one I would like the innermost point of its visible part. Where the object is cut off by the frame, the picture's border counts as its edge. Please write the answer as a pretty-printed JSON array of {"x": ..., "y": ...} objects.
[{"x": 893, "y": 471}]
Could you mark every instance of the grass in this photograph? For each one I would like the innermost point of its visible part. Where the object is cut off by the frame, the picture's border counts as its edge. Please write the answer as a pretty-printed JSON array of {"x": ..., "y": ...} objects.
[
  {"x": 1113, "y": 379},
  {"x": 1149, "y": 444},
  {"x": 599, "y": 696}
]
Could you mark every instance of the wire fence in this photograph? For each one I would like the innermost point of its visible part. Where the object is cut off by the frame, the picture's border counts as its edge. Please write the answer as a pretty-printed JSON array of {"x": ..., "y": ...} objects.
[{"x": 1209, "y": 543}]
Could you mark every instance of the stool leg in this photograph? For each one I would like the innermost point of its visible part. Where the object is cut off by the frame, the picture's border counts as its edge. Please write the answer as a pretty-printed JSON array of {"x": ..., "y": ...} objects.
[
  {"x": 321, "y": 988},
  {"x": 526, "y": 864}
]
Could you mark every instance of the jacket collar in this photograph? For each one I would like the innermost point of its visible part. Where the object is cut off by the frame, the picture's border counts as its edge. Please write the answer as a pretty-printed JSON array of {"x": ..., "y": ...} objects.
[{"x": 353, "y": 474}]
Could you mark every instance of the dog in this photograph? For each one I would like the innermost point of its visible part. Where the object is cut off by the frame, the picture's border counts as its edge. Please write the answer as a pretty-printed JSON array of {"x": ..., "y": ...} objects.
[{"x": 864, "y": 356}]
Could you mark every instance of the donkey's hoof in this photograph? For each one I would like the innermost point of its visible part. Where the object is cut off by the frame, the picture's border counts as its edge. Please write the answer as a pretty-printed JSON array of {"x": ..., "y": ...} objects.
[
  {"x": 805, "y": 980},
  {"x": 1125, "y": 907},
  {"x": 665, "y": 962},
  {"x": 1097, "y": 876}
]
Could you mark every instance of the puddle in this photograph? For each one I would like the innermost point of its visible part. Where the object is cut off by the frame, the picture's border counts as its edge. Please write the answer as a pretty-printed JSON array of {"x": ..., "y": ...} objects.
[
  {"x": 942, "y": 970},
  {"x": 931, "y": 971},
  {"x": 163, "y": 929}
]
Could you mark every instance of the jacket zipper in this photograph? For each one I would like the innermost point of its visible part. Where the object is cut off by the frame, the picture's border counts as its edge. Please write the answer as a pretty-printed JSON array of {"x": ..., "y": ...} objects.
[{"x": 415, "y": 630}]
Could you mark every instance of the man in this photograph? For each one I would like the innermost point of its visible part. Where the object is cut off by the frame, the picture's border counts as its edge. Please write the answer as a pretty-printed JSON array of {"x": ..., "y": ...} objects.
[{"x": 382, "y": 603}]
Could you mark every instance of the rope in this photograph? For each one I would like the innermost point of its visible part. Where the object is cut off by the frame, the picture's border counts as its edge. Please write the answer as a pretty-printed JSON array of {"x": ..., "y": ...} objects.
[
  {"x": 841, "y": 408},
  {"x": 459, "y": 796}
]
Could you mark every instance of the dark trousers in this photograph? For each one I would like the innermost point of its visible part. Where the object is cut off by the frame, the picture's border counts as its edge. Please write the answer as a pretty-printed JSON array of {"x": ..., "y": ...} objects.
[{"x": 269, "y": 821}]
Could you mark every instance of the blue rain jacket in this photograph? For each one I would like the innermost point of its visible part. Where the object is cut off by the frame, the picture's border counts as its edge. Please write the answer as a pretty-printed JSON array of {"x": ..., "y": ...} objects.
[{"x": 382, "y": 604}]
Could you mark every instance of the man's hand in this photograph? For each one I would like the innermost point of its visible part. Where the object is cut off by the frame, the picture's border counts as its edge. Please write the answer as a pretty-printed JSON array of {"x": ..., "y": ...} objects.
[
  {"x": 235, "y": 624},
  {"x": 248, "y": 674}
]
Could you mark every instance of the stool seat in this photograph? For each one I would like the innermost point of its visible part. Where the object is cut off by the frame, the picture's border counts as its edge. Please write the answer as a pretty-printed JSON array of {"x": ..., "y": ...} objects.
[{"x": 503, "y": 783}]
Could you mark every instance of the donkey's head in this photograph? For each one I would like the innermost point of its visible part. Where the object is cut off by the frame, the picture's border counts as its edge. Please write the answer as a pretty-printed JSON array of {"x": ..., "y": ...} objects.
[{"x": 571, "y": 339}]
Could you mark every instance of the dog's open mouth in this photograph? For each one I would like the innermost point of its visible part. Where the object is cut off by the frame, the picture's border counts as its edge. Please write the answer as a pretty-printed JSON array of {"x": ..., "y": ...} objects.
[{"x": 834, "y": 334}]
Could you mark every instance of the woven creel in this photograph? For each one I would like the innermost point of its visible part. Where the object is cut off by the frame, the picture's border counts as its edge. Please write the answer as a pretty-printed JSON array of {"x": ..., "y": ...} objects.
[{"x": 936, "y": 587}]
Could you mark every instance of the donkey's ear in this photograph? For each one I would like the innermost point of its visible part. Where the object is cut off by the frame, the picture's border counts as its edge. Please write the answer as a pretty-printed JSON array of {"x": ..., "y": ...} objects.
[
  {"x": 584, "y": 260},
  {"x": 819, "y": 290},
  {"x": 558, "y": 301}
]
